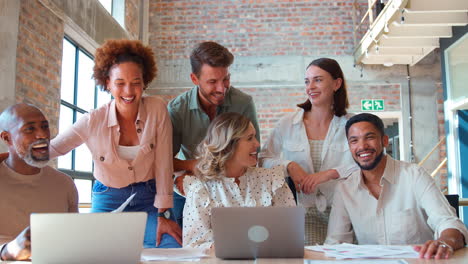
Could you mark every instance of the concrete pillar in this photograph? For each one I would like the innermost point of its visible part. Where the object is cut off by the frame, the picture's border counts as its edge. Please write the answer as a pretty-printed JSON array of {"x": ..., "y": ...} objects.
[{"x": 9, "y": 19}]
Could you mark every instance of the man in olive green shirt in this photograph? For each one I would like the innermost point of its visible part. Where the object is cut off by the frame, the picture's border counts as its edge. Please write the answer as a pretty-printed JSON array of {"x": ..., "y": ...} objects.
[{"x": 192, "y": 111}]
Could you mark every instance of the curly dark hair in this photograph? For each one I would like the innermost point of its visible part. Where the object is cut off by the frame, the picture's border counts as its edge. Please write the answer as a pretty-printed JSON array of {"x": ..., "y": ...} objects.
[{"x": 116, "y": 51}]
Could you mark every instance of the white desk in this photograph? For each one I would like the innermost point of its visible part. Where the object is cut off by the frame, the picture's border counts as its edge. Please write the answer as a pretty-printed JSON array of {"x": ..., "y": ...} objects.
[{"x": 460, "y": 257}]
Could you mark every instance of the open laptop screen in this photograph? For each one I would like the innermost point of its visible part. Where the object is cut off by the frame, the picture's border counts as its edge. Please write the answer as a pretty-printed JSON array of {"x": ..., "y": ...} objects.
[
  {"x": 258, "y": 232},
  {"x": 87, "y": 238}
]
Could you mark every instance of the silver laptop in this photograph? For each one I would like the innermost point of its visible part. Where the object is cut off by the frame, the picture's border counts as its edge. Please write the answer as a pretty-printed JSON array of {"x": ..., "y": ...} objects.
[
  {"x": 87, "y": 238},
  {"x": 258, "y": 232}
]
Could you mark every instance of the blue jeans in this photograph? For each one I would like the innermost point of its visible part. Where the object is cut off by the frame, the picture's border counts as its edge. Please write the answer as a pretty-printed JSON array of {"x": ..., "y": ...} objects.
[
  {"x": 106, "y": 199},
  {"x": 179, "y": 202}
]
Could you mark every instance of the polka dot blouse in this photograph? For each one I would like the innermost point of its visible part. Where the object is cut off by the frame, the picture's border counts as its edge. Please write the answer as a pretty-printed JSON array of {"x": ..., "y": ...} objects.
[{"x": 258, "y": 187}]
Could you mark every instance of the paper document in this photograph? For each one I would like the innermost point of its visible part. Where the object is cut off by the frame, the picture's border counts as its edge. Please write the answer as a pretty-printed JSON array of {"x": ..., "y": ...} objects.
[
  {"x": 122, "y": 207},
  {"x": 367, "y": 261},
  {"x": 173, "y": 254},
  {"x": 351, "y": 251}
]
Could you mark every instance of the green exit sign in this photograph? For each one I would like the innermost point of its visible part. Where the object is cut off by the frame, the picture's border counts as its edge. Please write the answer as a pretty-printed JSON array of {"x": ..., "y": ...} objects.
[{"x": 372, "y": 104}]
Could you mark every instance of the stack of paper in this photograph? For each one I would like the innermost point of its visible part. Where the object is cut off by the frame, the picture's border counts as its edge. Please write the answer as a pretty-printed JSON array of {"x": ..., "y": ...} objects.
[
  {"x": 173, "y": 254},
  {"x": 350, "y": 251},
  {"x": 366, "y": 261}
]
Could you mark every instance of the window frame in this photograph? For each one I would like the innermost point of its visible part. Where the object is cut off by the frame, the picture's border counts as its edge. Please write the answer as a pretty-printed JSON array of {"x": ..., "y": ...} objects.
[
  {"x": 117, "y": 11},
  {"x": 73, "y": 173}
]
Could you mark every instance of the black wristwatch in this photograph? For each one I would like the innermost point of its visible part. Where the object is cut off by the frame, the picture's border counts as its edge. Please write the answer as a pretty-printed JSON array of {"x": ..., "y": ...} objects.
[{"x": 166, "y": 214}]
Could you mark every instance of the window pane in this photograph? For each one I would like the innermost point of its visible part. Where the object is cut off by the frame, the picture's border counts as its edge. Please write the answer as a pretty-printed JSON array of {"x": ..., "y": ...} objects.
[
  {"x": 107, "y": 5},
  {"x": 83, "y": 157},
  {"x": 68, "y": 71},
  {"x": 84, "y": 190},
  {"x": 457, "y": 62},
  {"x": 118, "y": 11},
  {"x": 65, "y": 122},
  {"x": 102, "y": 98},
  {"x": 86, "y": 85}
]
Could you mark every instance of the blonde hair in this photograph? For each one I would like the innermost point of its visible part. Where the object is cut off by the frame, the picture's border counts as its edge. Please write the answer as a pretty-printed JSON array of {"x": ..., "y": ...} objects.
[{"x": 219, "y": 144}]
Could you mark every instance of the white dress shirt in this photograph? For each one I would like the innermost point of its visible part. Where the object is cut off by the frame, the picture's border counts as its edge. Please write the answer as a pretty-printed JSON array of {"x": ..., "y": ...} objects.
[
  {"x": 288, "y": 142},
  {"x": 410, "y": 209},
  {"x": 258, "y": 187}
]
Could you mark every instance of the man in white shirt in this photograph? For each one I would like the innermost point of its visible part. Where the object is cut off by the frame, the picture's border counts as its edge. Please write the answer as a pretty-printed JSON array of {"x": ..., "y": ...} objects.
[
  {"x": 389, "y": 201},
  {"x": 27, "y": 184}
]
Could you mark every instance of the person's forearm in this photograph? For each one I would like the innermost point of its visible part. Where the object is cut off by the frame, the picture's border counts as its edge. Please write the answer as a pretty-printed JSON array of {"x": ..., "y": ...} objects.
[
  {"x": 184, "y": 165},
  {"x": 332, "y": 174},
  {"x": 296, "y": 172},
  {"x": 453, "y": 238}
]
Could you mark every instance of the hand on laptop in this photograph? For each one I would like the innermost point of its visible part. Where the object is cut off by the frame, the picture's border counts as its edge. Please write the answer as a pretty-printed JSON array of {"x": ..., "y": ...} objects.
[
  {"x": 166, "y": 226},
  {"x": 18, "y": 249}
]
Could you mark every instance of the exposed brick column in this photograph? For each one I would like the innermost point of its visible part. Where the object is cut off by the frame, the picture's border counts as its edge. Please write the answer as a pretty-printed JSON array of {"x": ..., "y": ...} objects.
[{"x": 39, "y": 59}]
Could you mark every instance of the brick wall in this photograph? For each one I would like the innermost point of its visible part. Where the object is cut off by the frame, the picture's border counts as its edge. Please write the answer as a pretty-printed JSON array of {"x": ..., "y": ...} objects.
[
  {"x": 277, "y": 30},
  {"x": 131, "y": 18},
  {"x": 252, "y": 28},
  {"x": 389, "y": 92},
  {"x": 39, "y": 55},
  {"x": 273, "y": 102},
  {"x": 263, "y": 28}
]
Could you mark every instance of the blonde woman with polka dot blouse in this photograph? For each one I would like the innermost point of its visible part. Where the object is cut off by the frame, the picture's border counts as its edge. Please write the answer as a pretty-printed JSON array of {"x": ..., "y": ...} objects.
[{"x": 226, "y": 176}]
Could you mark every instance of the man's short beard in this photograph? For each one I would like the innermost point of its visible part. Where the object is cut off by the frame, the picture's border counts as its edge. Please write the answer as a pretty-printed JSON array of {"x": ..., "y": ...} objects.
[
  {"x": 32, "y": 160},
  {"x": 373, "y": 164}
]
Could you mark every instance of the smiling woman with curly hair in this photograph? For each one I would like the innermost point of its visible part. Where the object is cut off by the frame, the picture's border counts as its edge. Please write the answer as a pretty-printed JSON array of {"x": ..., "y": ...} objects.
[
  {"x": 115, "y": 52},
  {"x": 227, "y": 176},
  {"x": 125, "y": 137}
]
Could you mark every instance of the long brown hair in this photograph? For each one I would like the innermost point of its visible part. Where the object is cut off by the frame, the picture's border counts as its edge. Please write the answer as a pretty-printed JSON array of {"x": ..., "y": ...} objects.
[{"x": 340, "y": 97}]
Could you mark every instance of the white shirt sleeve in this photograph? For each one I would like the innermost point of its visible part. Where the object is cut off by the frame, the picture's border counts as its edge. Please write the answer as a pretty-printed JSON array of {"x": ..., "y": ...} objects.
[
  {"x": 340, "y": 229},
  {"x": 441, "y": 215},
  {"x": 345, "y": 170},
  {"x": 271, "y": 151}
]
